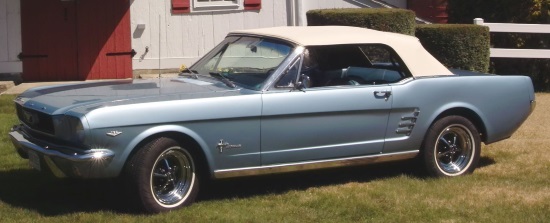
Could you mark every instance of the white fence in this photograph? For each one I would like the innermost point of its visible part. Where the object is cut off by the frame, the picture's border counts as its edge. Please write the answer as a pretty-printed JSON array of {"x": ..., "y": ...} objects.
[{"x": 517, "y": 28}]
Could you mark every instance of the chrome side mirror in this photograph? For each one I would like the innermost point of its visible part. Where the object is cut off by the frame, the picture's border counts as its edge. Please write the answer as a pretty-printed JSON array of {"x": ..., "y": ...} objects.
[{"x": 303, "y": 83}]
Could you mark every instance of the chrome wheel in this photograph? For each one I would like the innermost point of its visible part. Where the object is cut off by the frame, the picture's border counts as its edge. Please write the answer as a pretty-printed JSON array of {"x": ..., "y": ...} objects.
[
  {"x": 162, "y": 176},
  {"x": 451, "y": 147},
  {"x": 454, "y": 149},
  {"x": 172, "y": 177}
]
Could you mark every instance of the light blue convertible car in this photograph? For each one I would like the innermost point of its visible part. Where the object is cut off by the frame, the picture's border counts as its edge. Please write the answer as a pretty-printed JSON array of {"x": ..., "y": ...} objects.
[{"x": 271, "y": 100}]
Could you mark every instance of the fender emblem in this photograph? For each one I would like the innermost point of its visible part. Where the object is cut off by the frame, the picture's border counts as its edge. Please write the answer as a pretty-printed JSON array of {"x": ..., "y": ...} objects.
[
  {"x": 224, "y": 145},
  {"x": 113, "y": 133}
]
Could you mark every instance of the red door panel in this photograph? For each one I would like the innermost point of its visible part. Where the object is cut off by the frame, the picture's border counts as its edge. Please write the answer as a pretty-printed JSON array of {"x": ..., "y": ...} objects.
[
  {"x": 104, "y": 39},
  {"x": 431, "y": 10},
  {"x": 75, "y": 40},
  {"x": 48, "y": 30}
]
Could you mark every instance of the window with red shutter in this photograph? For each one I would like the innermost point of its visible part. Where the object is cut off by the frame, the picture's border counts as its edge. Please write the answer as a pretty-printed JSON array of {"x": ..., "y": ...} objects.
[
  {"x": 184, "y": 6},
  {"x": 181, "y": 6},
  {"x": 252, "y": 4}
]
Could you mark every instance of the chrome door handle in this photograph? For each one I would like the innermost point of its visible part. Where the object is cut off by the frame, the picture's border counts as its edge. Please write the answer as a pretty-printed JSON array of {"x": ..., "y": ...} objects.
[{"x": 382, "y": 94}]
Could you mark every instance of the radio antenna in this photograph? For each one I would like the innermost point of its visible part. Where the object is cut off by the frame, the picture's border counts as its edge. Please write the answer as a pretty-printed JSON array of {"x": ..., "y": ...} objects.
[{"x": 160, "y": 82}]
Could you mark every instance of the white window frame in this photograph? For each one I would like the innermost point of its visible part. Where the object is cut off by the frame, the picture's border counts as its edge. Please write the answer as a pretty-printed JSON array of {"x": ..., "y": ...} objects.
[{"x": 217, "y": 5}]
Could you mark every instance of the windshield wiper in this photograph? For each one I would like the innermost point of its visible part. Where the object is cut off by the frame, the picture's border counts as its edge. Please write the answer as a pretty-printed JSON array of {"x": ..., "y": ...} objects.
[
  {"x": 224, "y": 79},
  {"x": 193, "y": 73}
]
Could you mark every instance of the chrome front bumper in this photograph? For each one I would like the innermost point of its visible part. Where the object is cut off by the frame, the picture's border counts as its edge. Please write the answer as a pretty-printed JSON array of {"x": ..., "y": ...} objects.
[{"x": 79, "y": 164}]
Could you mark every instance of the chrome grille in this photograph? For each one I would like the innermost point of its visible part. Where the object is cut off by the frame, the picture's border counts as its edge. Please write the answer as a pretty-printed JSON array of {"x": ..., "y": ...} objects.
[{"x": 35, "y": 120}]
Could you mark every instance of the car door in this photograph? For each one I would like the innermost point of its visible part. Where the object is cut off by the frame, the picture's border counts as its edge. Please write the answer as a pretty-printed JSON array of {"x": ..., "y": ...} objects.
[
  {"x": 337, "y": 105},
  {"x": 323, "y": 123},
  {"x": 330, "y": 119}
]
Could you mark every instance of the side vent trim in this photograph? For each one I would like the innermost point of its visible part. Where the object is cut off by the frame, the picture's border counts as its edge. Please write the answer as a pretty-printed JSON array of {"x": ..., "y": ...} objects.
[{"x": 407, "y": 123}]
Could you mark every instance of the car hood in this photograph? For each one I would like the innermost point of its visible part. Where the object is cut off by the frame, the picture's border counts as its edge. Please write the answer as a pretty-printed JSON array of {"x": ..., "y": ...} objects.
[{"x": 87, "y": 96}]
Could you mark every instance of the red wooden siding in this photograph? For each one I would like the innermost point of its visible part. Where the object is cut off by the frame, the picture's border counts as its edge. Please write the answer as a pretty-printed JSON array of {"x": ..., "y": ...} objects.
[
  {"x": 104, "y": 39},
  {"x": 48, "y": 35},
  {"x": 70, "y": 40},
  {"x": 431, "y": 10}
]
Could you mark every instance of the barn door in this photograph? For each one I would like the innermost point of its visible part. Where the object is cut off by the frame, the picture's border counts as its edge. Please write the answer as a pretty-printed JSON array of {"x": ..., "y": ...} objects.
[
  {"x": 104, "y": 47},
  {"x": 48, "y": 34},
  {"x": 75, "y": 40}
]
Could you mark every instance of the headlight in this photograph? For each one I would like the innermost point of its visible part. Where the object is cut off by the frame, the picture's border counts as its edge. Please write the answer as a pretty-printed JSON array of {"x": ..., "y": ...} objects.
[{"x": 69, "y": 128}]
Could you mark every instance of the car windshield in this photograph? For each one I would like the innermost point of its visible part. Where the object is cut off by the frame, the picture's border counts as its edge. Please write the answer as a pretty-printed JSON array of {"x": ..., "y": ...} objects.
[{"x": 245, "y": 61}]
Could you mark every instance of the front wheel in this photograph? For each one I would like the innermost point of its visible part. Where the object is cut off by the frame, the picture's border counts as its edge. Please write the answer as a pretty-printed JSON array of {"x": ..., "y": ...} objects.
[
  {"x": 451, "y": 147},
  {"x": 162, "y": 176}
]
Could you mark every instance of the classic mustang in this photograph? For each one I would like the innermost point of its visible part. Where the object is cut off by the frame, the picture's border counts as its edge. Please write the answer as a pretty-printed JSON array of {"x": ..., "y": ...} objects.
[{"x": 271, "y": 100}]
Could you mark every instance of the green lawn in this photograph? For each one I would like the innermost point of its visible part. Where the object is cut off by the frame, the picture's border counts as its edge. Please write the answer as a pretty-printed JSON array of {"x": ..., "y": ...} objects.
[{"x": 512, "y": 185}]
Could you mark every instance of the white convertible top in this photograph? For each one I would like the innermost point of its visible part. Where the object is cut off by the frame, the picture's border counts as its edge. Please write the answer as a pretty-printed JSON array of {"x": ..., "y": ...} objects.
[{"x": 416, "y": 58}]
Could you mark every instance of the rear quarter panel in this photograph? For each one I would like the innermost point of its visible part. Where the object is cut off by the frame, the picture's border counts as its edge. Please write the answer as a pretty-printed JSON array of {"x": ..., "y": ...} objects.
[{"x": 502, "y": 103}]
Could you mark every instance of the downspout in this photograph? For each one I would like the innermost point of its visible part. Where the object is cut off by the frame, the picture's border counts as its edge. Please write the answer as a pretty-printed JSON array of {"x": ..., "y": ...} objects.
[
  {"x": 292, "y": 12},
  {"x": 301, "y": 21}
]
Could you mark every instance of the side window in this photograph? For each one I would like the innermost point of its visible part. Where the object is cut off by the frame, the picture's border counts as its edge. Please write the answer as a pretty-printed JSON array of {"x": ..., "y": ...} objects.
[
  {"x": 388, "y": 66},
  {"x": 345, "y": 65},
  {"x": 290, "y": 77},
  {"x": 376, "y": 54}
]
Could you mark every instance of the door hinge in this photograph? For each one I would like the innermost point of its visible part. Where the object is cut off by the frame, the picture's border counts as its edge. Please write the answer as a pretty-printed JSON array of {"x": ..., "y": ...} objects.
[
  {"x": 131, "y": 53},
  {"x": 22, "y": 56}
]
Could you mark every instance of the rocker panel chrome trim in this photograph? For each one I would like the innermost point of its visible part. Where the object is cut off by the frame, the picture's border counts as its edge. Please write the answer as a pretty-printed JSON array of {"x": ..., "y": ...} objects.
[{"x": 312, "y": 165}]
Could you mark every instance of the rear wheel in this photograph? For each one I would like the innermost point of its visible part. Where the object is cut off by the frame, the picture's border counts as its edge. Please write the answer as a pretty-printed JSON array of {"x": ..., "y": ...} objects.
[
  {"x": 162, "y": 175},
  {"x": 451, "y": 147}
]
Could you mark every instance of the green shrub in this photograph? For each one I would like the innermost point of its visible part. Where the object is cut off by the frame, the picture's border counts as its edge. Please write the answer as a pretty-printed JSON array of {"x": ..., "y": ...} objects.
[
  {"x": 389, "y": 20},
  {"x": 457, "y": 46}
]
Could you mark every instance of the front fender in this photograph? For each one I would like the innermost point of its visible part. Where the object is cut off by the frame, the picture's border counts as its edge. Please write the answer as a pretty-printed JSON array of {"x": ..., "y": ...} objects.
[
  {"x": 129, "y": 139},
  {"x": 156, "y": 130}
]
